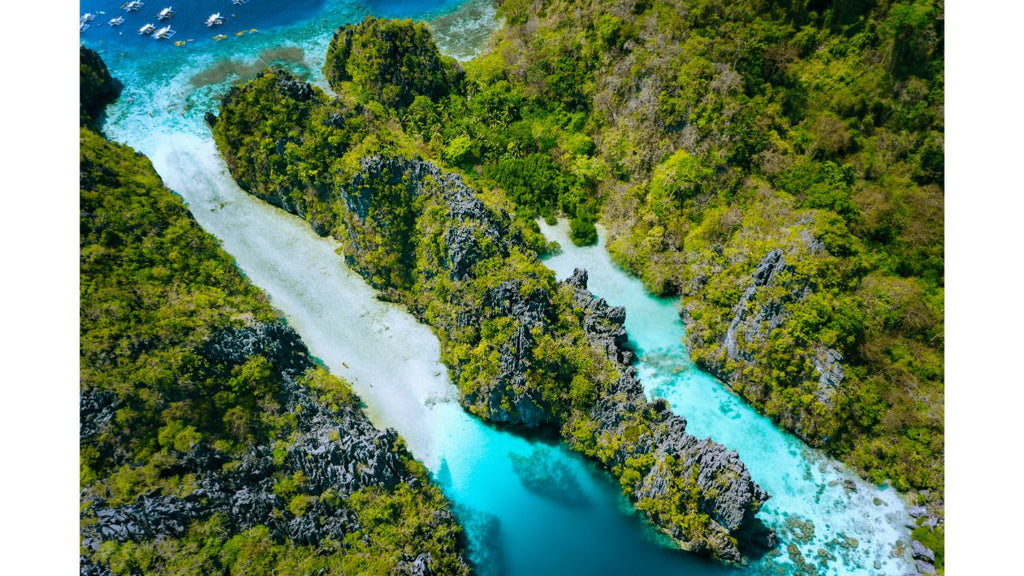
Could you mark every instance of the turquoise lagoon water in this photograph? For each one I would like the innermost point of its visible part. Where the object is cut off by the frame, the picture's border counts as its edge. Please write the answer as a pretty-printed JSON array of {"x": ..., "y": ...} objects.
[{"x": 530, "y": 508}]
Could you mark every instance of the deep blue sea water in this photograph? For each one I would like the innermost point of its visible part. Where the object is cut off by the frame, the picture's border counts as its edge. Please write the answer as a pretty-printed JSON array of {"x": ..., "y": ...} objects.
[{"x": 530, "y": 508}]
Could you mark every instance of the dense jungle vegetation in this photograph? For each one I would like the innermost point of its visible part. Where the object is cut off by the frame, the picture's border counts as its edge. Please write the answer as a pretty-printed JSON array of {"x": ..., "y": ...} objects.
[
  {"x": 709, "y": 133},
  {"x": 777, "y": 165},
  {"x": 513, "y": 338},
  {"x": 724, "y": 130},
  {"x": 198, "y": 404}
]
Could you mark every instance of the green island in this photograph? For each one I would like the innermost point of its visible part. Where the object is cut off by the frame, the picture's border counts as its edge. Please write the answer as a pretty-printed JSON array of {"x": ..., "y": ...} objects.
[
  {"x": 211, "y": 442},
  {"x": 777, "y": 166}
]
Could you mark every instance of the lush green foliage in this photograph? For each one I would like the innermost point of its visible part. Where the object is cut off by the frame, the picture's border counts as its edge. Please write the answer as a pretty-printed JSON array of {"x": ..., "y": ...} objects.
[
  {"x": 724, "y": 130},
  {"x": 709, "y": 133},
  {"x": 513, "y": 340},
  {"x": 154, "y": 289},
  {"x": 391, "y": 62}
]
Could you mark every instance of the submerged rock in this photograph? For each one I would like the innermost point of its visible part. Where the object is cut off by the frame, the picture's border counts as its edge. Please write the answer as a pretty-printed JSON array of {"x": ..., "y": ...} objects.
[{"x": 549, "y": 477}]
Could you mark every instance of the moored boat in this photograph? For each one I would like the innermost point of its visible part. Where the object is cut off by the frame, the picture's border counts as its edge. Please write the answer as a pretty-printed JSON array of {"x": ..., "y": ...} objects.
[
  {"x": 166, "y": 13},
  {"x": 147, "y": 29},
  {"x": 132, "y": 6},
  {"x": 116, "y": 21},
  {"x": 214, "y": 20},
  {"x": 163, "y": 33}
]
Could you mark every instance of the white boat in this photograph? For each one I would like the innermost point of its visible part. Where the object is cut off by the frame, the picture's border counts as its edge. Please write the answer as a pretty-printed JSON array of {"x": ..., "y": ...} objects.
[
  {"x": 116, "y": 21},
  {"x": 132, "y": 6},
  {"x": 87, "y": 17},
  {"x": 163, "y": 33},
  {"x": 147, "y": 29},
  {"x": 213, "y": 20},
  {"x": 238, "y": 2},
  {"x": 165, "y": 13},
  {"x": 82, "y": 26}
]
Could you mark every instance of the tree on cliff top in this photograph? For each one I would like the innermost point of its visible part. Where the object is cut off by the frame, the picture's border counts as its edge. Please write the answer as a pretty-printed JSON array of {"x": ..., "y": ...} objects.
[{"x": 391, "y": 61}]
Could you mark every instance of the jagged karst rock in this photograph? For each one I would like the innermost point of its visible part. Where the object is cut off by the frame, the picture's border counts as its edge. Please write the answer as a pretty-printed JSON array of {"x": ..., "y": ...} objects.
[
  {"x": 767, "y": 270},
  {"x": 335, "y": 449},
  {"x": 422, "y": 237},
  {"x": 95, "y": 411},
  {"x": 729, "y": 494},
  {"x": 473, "y": 233},
  {"x": 603, "y": 323},
  {"x": 416, "y": 566},
  {"x": 762, "y": 308},
  {"x": 279, "y": 343},
  {"x": 921, "y": 552},
  {"x": 826, "y": 362}
]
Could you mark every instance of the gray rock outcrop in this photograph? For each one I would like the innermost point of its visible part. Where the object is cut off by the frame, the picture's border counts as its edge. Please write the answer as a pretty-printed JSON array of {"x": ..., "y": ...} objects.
[
  {"x": 728, "y": 493},
  {"x": 336, "y": 449}
]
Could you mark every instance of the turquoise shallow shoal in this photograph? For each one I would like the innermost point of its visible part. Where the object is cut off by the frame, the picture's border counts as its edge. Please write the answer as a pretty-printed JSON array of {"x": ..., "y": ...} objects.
[
  {"x": 806, "y": 486},
  {"x": 530, "y": 508}
]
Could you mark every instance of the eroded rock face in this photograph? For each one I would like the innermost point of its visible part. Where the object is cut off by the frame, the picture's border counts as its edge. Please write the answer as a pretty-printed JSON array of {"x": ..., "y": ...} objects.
[
  {"x": 508, "y": 396},
  {"x": 763, "y": 307},
  {"x": 470, "y": 233},
  {"x": 604, "y": 324},
  {"x": 337, "y": 449},
  {"x": 728, "y": 493},
  {"x": 769, "y": 316}
]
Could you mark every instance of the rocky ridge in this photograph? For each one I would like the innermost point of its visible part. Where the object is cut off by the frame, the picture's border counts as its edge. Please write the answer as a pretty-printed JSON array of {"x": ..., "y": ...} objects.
[
  {"x": 472, "y": 233},
  {"x": 334, "y": 449},
  {"x": 520, "y": 351},
  {"x": 762, "y": 308},
  {"x": 728, "y": 493}
]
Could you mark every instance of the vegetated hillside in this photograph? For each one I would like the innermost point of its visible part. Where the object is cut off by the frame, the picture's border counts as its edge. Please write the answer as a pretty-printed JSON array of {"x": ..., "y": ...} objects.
[
  {"x": 210, "y": 441},
  {"x": 524, "y": 350},
  {"x": 777, "y": 165}
]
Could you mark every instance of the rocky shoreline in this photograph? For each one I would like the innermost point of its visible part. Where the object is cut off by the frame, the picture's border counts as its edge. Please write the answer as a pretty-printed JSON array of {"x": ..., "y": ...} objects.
[
  {"x": 210, "y": 441},
  {"x": 733, "y": 506},
  {"x": 337, "y": 451},
  {"x": 424, "y": 238}
]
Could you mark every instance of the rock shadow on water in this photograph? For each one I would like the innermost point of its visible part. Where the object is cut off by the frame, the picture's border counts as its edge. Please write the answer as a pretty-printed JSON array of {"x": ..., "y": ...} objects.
[
  {"x": 292, "y": 57},
  {"x": 481, "y": 534},
  {"x": 543, "y": 473},
  {"x": 481, "y": 537}
]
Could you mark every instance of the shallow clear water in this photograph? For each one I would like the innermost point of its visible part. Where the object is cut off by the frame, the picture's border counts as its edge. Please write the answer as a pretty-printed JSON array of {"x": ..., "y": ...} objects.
[
  {"x": 529, "y": 507},
  {"x": 805, "y": 484}
]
